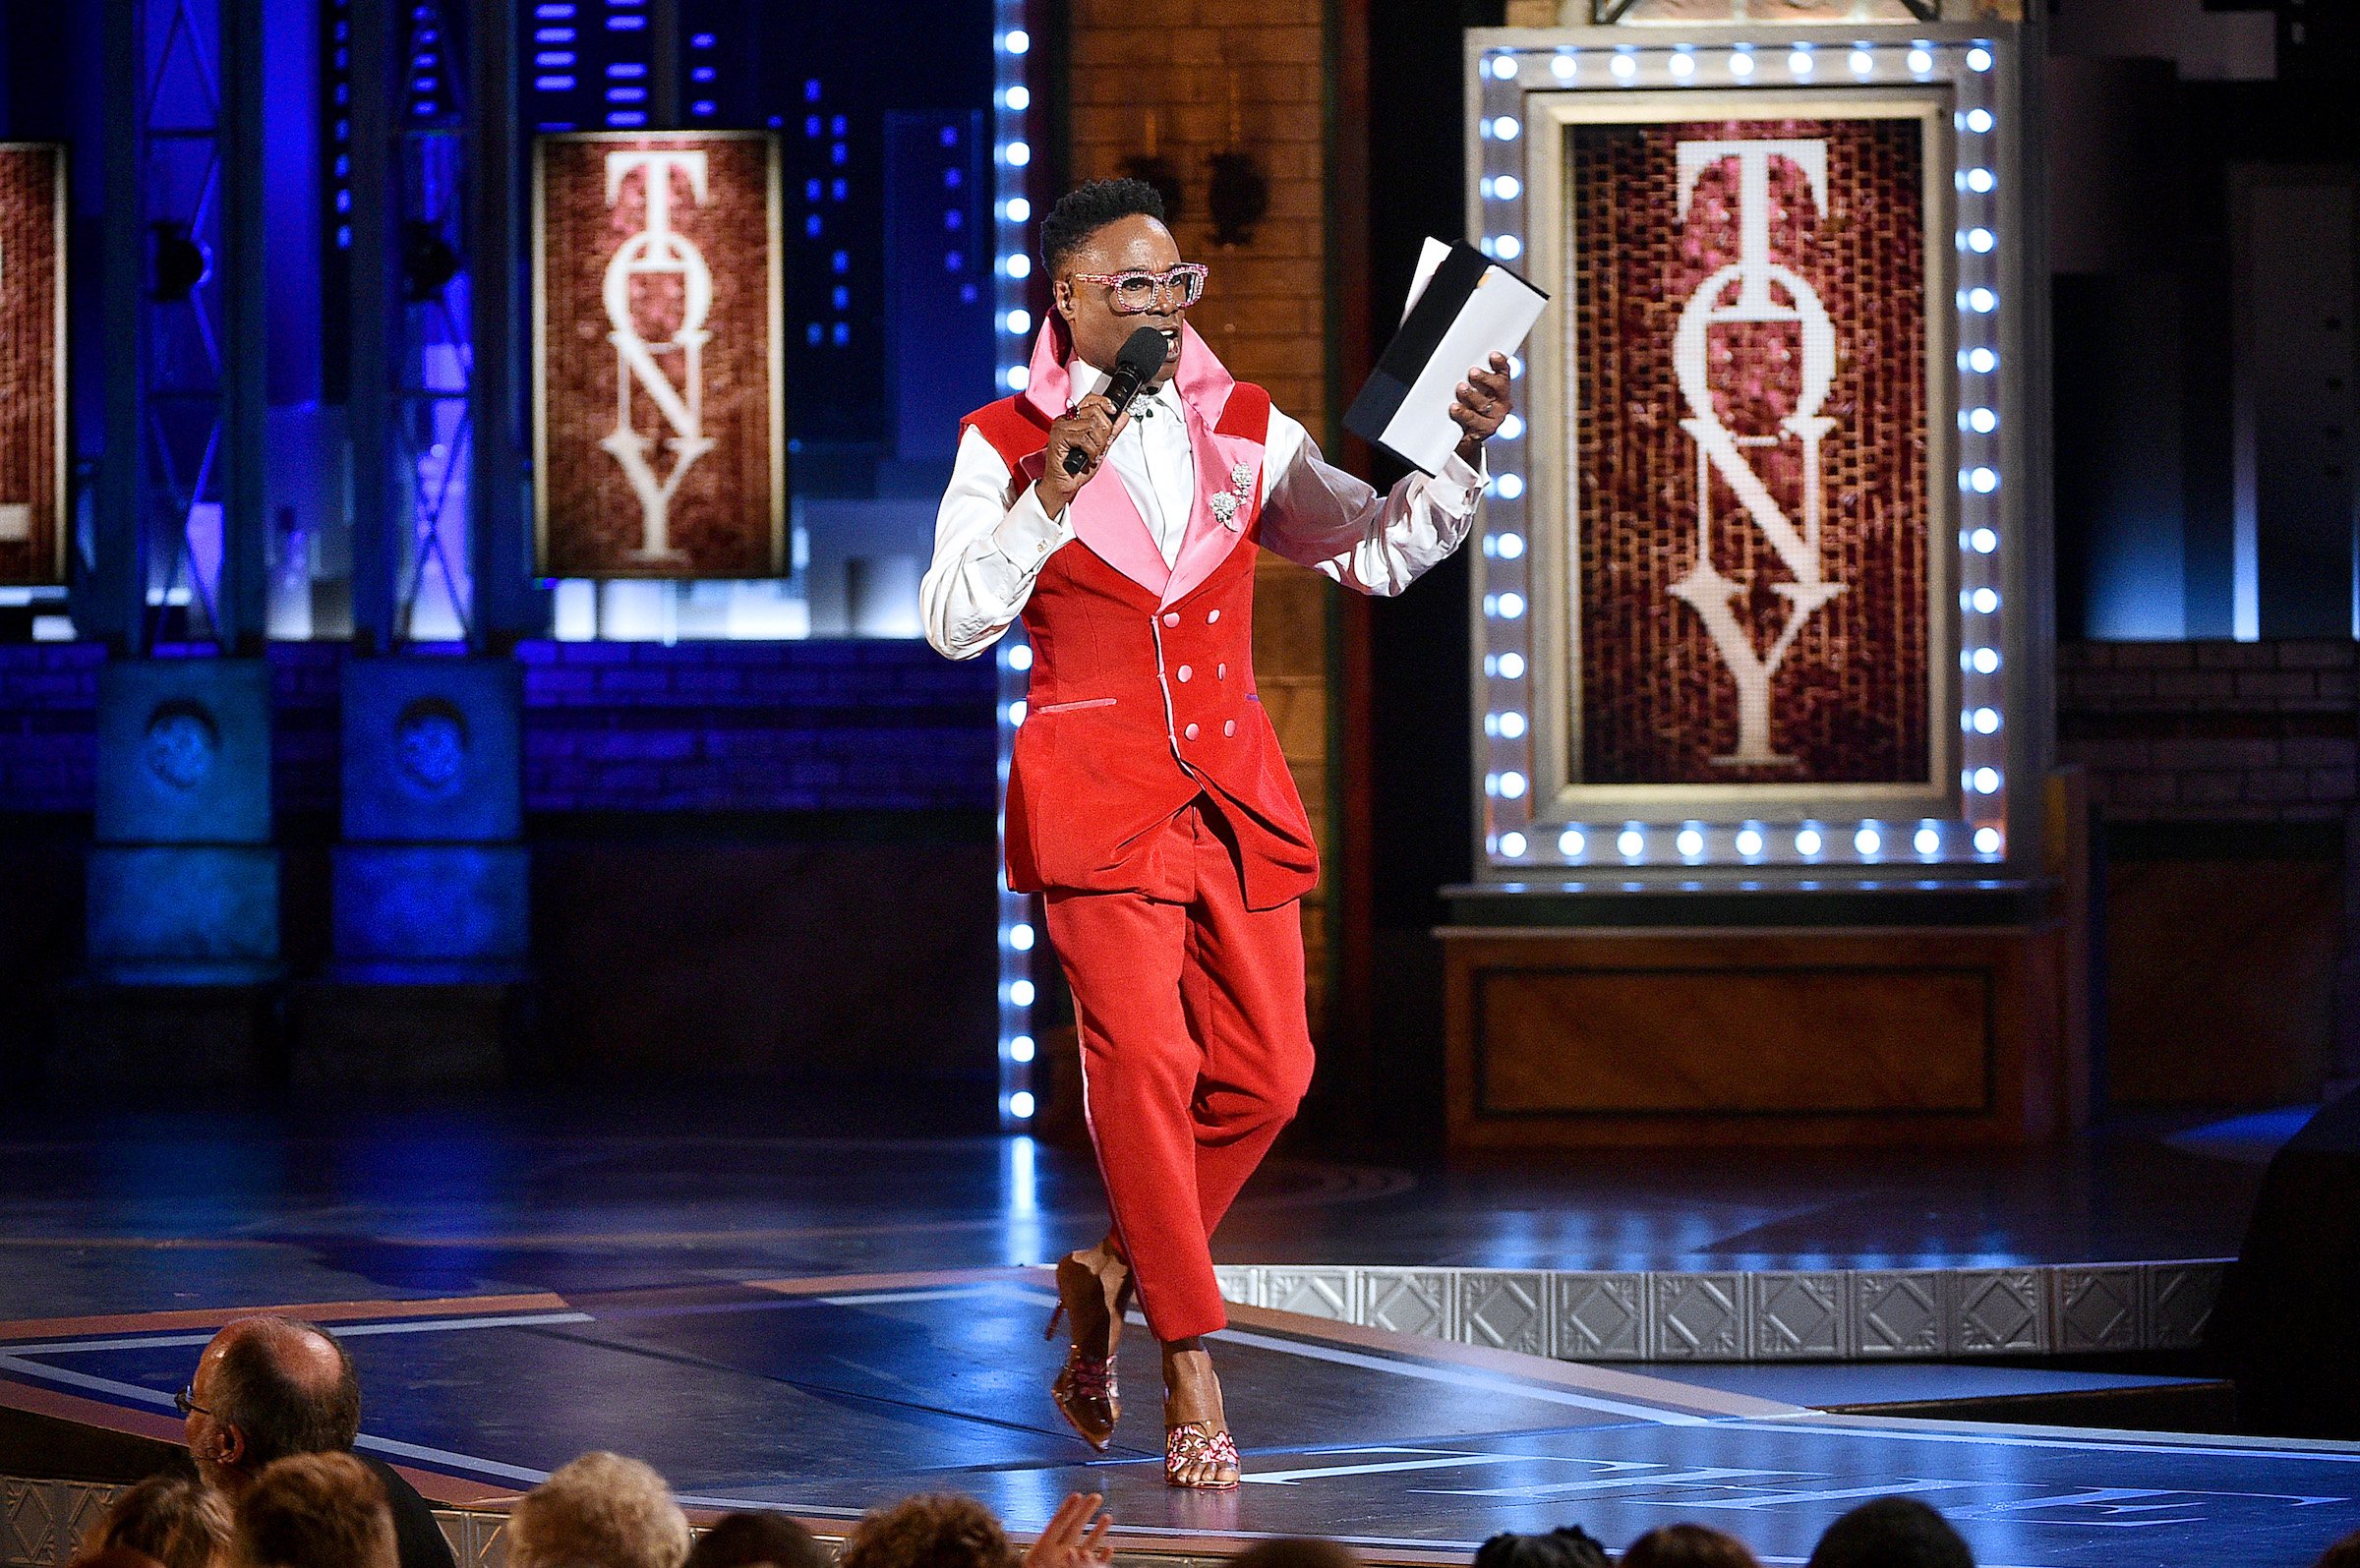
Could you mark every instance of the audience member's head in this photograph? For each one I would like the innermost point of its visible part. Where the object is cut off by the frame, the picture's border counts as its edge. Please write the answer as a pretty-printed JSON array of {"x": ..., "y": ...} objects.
[
  {"x": 602, "y": 1511},
  {"x": 1892, "y": 1532},
  {"x": 171, "y": 1519},
  {"x": 1567, "y": 1546},
  {"x": 752, "y": 1540},
  {"x": 1294, "y": 1552},
  {"x": 267, "y": 1387},
  {"x": 312, "y": 1511},
  {"x": 1688, "y": 1546},
  {"x": 938, "y": 1530},
  {"x": 2345, "y": 1554}
]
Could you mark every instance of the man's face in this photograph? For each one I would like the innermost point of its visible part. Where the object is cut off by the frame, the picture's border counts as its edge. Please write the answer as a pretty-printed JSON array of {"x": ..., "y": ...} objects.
[
  {"x": 1135, "y": 244},
  {"x": 217, "y": 1447}
]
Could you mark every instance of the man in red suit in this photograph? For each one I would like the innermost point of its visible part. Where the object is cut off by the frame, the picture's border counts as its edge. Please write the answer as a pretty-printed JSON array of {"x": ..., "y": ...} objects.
[{"x": 1147, "y": 798}]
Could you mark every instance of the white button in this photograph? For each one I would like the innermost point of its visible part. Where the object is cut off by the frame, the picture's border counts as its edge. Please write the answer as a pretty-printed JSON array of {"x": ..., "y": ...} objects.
[
  {"x": 1184, "y": 672},
  {"x": 1211, "y": 618},
  {"x": 1220, "y": 673},
  {"x": 1171, "y": 617},
  {"x": 1190, "y": 732},
  {"x": 1229, "y": 726}
]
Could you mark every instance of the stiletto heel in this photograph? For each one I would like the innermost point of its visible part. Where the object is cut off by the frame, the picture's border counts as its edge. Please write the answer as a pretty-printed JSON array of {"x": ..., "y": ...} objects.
[
  {"x": 1055, "y": 1314},
  {"x": 1085, "y": 1392}
]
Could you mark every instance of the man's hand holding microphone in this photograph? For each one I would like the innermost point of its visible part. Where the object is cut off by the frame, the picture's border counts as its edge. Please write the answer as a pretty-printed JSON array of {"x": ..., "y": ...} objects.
[{"x": 1078, "y": 443}]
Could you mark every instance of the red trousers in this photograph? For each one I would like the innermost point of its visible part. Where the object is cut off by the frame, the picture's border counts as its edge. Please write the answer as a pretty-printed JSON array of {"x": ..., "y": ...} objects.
[{"x": 1195, "y": 1052}]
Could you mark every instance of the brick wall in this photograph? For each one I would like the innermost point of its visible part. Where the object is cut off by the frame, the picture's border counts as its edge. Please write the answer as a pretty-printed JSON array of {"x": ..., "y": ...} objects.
[
  {"x": 1266, "y": 307},
  {"x": 2217, "y": 731},
  {"x": 608, "y": 726}
]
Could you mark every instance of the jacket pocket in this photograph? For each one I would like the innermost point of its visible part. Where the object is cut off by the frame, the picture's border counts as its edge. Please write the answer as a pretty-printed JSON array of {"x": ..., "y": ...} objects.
[{"x": 1067, "y": 707}]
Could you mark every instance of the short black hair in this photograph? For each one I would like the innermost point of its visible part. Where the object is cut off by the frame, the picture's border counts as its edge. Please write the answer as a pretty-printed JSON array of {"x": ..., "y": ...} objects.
[
  {"x": 280, "y": 1412},
  {"x": 1086, "y": 209},
  {"x": 1892, "y": 1532},
  {"x": 745, "y": 1540},
  {"x": 1567, "y": 1546}
]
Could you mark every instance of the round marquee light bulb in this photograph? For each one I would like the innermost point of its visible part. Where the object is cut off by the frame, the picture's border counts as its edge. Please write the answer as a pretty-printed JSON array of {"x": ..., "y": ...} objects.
[
  {"x": 1017, "y": 40},
  {"x": 1019, "y": 1049},
  {"x": 1982, "y": 421},
  {"x": 1020, "y": 1105},
  {"x": 1020, "y": 656},
  {"x": 1512, "y": 844},
  {"x": 1985, "y": 541},
  {"x": 1980, "y": 241},
  {"x": 1511, "y": 786},
  {"x": 1930, "y": 841},
  {"x": 1978, "y": 59},
  {"x": 1982, "y": 360},
  {"x": 1986, "y": 721},
  {"x": 1510, "y": 485},
  {"x": 1512, "y": 666},
  {"x": 1807, "y": 841},
  {"x": 1508, "y": 247},
  {"x": 1867, "y": 841},
  {"x": 1632, "y": 844},
  {"x": 1511, "y": 606},
  {"x": 1624, "y": 67},
  {"x": 1509, "y": 547},
  {"x": 1980, "y": 121},
  {"x": 1980, "y": 181},
  {"x": 1987, "y": 840},
  {"x": 1507, "y": 187},
  {"x": 1981, "y": 301},
  {"x": 1016, "y": 711},
  {"x": 1019, "y": 154},
  {"x": 1019, "y": 99},
  {"x": 1019, "y": 378},
  {"x": 1683, "y": 65},
  {"x": 1987, "y": 601},
  {"x": 1799, "y": 62},
  {"x": 1562, "y": 67},
  {"x": 1512, "y": 726},
  {"x": 1571, "y": 842},
  {"x": 1921, "y": 62},
  {"x": 1504, "y": 66},
  {"x": 1018, "y": 264},
  {"x": 1987, "y": 781},
  {"x": 1511, "y": 427},
  {"x": 1740, "y": 64},
  {"x": 1505, "y": 128},
  {"x": 1020, "y": 937},
  {"x": 1985, "y": 660},
  {"x": 1020, "y": 323},
  {"x": 1863, "y": 61},
  {"x": 1019, "y": 210},
  {"x": 1691, "y": 842},
  {"x": 1020, "y": 993},
  {"x": 1750, "y": 843}
]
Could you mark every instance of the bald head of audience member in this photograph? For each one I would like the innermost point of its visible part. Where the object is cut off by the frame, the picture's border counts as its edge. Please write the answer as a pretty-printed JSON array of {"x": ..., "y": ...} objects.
[
  {"x": 1294, "y": 1552},
  {"x": 602, "y": 1511},
  {"x": 312, "y": 1511},
  {"x": 266, "y": 1388}
]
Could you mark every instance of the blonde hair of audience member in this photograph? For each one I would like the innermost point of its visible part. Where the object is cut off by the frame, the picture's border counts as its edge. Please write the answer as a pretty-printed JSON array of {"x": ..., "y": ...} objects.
[
  {"x": 602, "y": 1511},
  {"x": 173, "y": 1520},
  {"x": 934, "y": 1530},
  {"x": 312, "y": 1511},
  {"x": 1688, "y": 1546}
]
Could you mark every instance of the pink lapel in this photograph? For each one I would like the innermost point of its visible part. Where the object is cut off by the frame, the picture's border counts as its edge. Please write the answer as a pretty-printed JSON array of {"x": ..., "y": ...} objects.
[{"x": 1103, "y": 515}]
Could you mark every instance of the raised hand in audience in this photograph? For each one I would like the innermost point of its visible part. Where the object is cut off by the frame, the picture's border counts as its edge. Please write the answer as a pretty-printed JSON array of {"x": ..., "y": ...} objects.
[{"x": 1073, "y": 1540}]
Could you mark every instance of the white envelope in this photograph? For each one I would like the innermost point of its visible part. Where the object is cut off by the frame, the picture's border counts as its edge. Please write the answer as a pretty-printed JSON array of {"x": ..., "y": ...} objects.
[{"x": 1483, "y": 309}]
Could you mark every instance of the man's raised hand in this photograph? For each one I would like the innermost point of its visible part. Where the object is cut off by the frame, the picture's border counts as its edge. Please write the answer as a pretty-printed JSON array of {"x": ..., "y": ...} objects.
[{"x": 1072, "y": 1539}]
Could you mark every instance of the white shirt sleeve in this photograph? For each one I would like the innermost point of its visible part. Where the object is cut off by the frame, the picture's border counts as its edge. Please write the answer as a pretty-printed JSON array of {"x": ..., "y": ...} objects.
[
  {"x": 1323, "y": 518},
  {"x": 988, "y": 553}
]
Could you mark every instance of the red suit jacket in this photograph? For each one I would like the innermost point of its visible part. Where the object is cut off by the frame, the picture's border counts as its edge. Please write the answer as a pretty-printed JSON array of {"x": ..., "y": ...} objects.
[{"x": 1142, "y": 692}]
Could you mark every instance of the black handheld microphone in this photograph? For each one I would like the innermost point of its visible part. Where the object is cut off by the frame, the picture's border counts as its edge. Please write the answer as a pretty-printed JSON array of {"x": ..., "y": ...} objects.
[{"x": 1141, "y": 358}]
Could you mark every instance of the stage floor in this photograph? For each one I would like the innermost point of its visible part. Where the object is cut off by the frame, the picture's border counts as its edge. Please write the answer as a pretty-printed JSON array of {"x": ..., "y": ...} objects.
[
  {"x": 823, "y": 1396},
  {"x": 149, "y": 1214},
  {"x": 823, "y": 1325}
]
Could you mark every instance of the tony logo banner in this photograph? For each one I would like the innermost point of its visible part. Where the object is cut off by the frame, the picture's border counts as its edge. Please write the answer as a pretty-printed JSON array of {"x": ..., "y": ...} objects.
[
  {"x": 659, "y": 410},
  {"x": 1753, "y": 573}
]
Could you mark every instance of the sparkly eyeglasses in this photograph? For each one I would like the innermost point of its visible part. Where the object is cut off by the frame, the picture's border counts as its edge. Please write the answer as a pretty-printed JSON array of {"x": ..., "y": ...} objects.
[{"x": 1137, "y": 293}]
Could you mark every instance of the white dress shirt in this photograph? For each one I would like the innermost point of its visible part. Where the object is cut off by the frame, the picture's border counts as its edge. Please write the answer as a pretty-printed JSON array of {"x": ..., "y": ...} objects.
[{"x": 989, "y": 549}]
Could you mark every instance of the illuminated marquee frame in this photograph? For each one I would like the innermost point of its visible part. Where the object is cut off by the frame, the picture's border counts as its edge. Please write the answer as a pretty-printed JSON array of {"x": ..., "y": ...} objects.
[
  {"x": 1011, "y": 328},
  {"x": 1532, "y": 820}
]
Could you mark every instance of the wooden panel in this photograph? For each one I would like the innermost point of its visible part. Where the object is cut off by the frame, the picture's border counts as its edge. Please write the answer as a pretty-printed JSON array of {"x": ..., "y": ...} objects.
[
  {"x": 1749, "y": 1042},
  {"x": 1586, "y": 1035}
]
